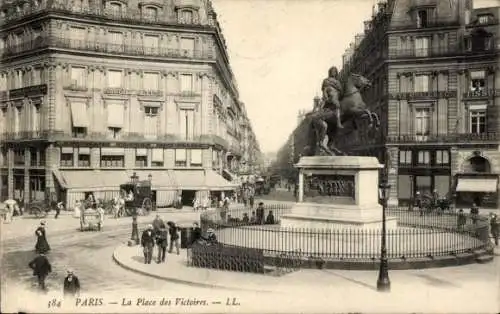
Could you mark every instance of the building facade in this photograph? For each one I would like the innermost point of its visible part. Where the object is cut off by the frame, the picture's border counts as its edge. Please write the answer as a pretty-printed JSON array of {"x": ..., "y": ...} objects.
[
  {"x": 92, "y": 92},
  {"x": 435, "y": 71}
]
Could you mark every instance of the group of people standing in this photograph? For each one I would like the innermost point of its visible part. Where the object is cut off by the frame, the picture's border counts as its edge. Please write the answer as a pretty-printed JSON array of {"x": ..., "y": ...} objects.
[
  {"x": 41, "y": 266},
  {"x": 156, "y": 234}
]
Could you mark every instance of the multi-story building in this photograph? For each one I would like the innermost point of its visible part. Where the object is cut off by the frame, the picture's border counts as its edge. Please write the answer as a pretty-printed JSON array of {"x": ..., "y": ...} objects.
[
  {"x": 92, "y": 92},
  {"x": 435, "y": 71}
]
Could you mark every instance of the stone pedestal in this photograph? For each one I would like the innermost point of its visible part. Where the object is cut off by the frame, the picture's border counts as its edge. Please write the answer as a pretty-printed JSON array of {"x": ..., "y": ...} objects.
[{"x": 338, "y": 192}]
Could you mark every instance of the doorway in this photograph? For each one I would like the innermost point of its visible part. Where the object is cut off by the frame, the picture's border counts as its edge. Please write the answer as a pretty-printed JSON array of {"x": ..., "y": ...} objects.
[{"x": 188, "y": 197}]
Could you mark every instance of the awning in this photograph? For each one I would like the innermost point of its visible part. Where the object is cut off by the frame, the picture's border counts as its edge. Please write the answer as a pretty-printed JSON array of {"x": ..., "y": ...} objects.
[
  {"x": 115, "y": 115},
  {"x": 161, "y": 179},
  {"x": 202, "y": 180},
  {"x": 157, "y": 155},
  {"x": 477, "y": 185},
  {"x": 91, "y": 180},
  {"x": 229, "y": 174},
  {"x": 79, "y": 115},
  {"x": 112, "y": 151}
]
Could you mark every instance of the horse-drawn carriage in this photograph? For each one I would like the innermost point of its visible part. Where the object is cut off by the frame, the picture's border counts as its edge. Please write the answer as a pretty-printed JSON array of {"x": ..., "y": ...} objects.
[
  {"x": 91, "y": 219},
  {"x": 138, "y": 197},
  {"x": 39, "y": 208}
]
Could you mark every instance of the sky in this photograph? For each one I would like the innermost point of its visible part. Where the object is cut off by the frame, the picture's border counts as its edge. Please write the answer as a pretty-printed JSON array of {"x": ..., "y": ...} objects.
[{"x": 280, "y": 50}]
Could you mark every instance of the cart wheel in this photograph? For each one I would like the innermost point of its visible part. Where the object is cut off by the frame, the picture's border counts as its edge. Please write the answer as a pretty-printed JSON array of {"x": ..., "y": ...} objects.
[
  {"x": 147, "y": 206},
  {"x": 37, "y": 211}
]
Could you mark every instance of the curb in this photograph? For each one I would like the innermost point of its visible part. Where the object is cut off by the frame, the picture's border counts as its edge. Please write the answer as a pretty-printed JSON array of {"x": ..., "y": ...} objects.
[{"x": 176, "y": 280}]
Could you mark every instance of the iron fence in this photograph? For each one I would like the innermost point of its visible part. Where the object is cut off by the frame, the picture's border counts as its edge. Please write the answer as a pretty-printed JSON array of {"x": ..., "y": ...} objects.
[{"x": 418, "y": 235}]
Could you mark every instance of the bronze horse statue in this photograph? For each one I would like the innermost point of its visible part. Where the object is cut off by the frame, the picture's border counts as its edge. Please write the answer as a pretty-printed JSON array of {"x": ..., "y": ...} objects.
[{"x": 352, "y": 107}]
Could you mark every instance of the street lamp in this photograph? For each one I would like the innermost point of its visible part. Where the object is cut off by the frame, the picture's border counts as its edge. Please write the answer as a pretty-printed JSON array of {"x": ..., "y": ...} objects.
[
  {"x": 135, "y": 232},
  {"x": 383, "y": 282}
]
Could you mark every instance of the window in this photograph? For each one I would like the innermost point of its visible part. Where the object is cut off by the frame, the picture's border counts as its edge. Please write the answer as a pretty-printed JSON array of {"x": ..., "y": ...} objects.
[
  {"x": 19, "y": 156},
  {"x": 19, "y": 79},
  {"x": 186, "y": 17},
  {"x": 34, "y": 157},
  {"x": 77, "y": 37},
  {"x": 422, "y": 122},
  {"x": 114, "y": 8},
  {"x": 215, "y": 159},
  {"x": 79, "y": 132},
  {"x": 157, "y": 157},
  {"x": 84, "y": 157},
  {"x": 78, "y": 79},
  {"x": 423, "y": 184},
  {"x": 186, "y": 124},
  {"x": 477, "y": 121},
  {"x": 114, "y": 132},
  {"x": 405, "y": 157},
  {"x": 421, "y": 83},
  {"x": 423, "y": 157},
  {"x": 17, "y": 119},
  {"x": 151, "y": 121},
  {"x": 442, "y": 157},
  {"x": 36, "y": 122},
  {"x": 477, "y": 82},
  {"x": 115, "y": 40},
  {"x": 186, "y": 83},
  {"x": 79, "y": 119},
  {"x": 150, "y": 13},
  {"x": 422, "y": 47},
  {"x": 422, "y": 19},
  {"x": 151, "y": 81},
  {"x": 151, "y": 44},
  {"x": 404, "y": 187},
  {"x": 115, "y": 79},
  {"x": 112, "y": 157},
  {"x": 66, "y": 158},
  {"x": 468, "y": 44},
  {"x": 36, "y": 76},
  {"x": 196, "y": 158},
  {"x": 141, "y": 157},
  {"x": 187, "y": 47},
  {"x": 180, "y": 158},
  {"x": 467, "y": 17}
]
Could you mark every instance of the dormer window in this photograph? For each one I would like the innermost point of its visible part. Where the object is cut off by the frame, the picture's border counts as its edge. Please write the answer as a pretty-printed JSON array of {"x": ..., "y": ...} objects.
[
  {"x": 115, "y": 8},
  {"x": 186, "y": 16},
  {"x": 150, "y": 13},
  {"x": 422, "y": 19}
]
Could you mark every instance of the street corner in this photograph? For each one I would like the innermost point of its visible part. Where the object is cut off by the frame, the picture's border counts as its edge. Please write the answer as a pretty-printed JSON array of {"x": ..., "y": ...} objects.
[{"x": 177, "y": 270}]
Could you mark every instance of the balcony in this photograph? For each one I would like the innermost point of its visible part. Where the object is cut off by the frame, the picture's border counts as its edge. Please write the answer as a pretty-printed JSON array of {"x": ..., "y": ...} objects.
[
  {"x": 423, "y": 95},
  {"x": 23, "y": 136},
  {"x": 433, "y": 52},
  {"x": 130, "y": 17},
  {"x": 485, "y": 93},
  {"x": 54, "y": 42},
  {"x": 123, "y": 91},
  {"x": 34, "y": 90},
  {"x": 430, "y": 24},
  {"x": 444, "y": 138}
]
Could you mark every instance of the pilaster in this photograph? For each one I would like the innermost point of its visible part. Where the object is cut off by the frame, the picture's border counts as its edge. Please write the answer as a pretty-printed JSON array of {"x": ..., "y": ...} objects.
[
  {"x": 27, "y": 164},
  {"x": 10, "y": 173}
]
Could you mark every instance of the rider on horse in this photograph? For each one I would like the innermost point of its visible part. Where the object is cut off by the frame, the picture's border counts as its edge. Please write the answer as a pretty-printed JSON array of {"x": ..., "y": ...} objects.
[{"x": 331, "y": 88}]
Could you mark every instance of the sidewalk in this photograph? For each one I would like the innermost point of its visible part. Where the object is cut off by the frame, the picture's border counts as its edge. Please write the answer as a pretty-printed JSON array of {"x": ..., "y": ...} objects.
[{"x": 432, "y": 285}]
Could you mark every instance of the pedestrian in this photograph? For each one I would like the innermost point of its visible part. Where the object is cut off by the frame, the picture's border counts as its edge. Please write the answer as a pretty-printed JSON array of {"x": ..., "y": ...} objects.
[
  {"x": 260, "y": 213},
  {"x": 270, "y": 218},
  {"x": 195, "y": 234},
  {"x": 71, "y": 285},
  {"x": 59, "y": 207},
  {"x": 474, "y": 213},
  {"x": 148, "y": 243},
  {"x": 158, "y": 224},
  {"x": 162, "y": 242},
  {"x": 41, "y": 269},
  {"x": 174, "y": 237},
  {"x": 494, "y": 228},
  {"x": 461, "y": 220},
  {"x": 211, "y": 237},
  {"x": 41, "y": 246}
]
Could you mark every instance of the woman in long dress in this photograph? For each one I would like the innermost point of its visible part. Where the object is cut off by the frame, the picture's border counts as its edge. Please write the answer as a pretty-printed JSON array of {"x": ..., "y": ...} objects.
[{"x": 42, "y": 246}]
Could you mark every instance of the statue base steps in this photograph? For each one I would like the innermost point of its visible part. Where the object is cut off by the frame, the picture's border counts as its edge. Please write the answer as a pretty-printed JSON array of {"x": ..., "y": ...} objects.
[{"x": 330, "y": 216}]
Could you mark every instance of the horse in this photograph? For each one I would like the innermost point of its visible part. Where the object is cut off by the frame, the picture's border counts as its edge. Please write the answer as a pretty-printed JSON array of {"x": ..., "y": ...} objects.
[{"x": 352, "y": 107}]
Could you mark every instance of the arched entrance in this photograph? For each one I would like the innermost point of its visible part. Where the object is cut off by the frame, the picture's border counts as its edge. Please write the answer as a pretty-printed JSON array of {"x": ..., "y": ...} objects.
[{"x": 477, "y": 184}]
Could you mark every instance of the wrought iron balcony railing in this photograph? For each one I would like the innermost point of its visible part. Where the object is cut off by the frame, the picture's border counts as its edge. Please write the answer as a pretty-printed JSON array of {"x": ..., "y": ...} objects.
[
  {"x": 423, "y": 95},
  {"x": 435, "y": 52},
  {"x": 444, "y": 138},
  {"x": 485, "y": 93},
  {"x": 108, "y": 48}
]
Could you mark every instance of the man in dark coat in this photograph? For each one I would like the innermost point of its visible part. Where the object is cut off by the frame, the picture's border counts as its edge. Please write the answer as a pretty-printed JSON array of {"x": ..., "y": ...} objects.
[
  {"x": 162, "y": 242},
  {"x": 174, "y": 237},
  {"x": 260, "y": 213},
  {"x": 157, "y": 225},
  {"x": 494, "y": 228},
  {"x": 41, "y": 246},
  {"x": 41, "y": 268},
  {"x": 71, "y": 285},
  {"x": 148, "y": 243},
  {"x": 196, "y": 234}
]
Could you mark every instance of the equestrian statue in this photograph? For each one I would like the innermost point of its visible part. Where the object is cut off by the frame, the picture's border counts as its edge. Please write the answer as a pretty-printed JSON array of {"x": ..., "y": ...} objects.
[{"x": 341, "y": 103}]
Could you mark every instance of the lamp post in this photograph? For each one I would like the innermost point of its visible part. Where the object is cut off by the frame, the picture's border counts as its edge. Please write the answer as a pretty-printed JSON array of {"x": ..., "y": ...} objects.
[
  {"x": 135, "y": 232},
  {"x": 383, "y": 282}
]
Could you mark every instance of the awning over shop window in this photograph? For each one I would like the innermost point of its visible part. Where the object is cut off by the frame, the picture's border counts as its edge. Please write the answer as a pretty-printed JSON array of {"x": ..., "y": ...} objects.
[
  {"x": 160, "y": 179},
  {"x": 79, "y": 115},
  {"x": 84, "y": 150},
  {"x": 157, "y": 155},
  {"x": 66, "y": 150},
  {"x": 229, "y": 174},
  {"x": 90, "y": 180},
  {"x": 112, "y": 151},
  {"x": 486, "y": 185},
  {"x": 141, "y": 152},
  {"x": 202, "y": 180}
]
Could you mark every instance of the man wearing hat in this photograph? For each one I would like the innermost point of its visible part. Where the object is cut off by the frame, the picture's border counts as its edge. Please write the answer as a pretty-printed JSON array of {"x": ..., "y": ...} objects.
[
  {"x": 148, "y": 243},
  {"x": 71, "y": 284},
  {"x": 211, "y": 237},
  {"x": 162, "y": 242},
  {"x": 41, "y": 268},
  {"x": 260, "y": 213}
]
